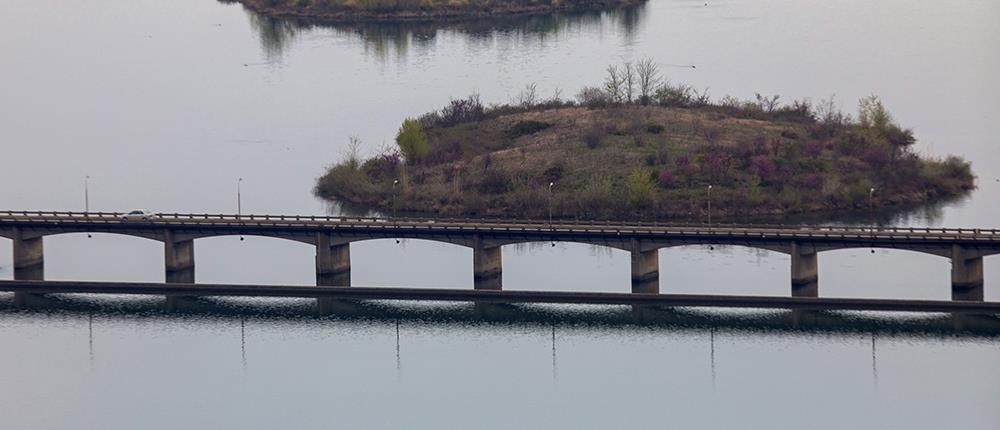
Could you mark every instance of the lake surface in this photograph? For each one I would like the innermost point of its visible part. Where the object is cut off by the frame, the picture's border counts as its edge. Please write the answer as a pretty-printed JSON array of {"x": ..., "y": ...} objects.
[{"x": 165, "y": 104}]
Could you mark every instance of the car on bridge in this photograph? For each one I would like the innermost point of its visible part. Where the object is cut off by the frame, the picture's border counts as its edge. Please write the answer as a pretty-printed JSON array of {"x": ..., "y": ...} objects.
[{"x": 139, "y": 215}]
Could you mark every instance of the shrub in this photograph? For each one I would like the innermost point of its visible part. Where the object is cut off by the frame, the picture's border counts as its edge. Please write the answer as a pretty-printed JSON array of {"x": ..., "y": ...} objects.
[
  {"x": 763, "y": 167},
  {"x": 665, "y": 179},
  {"x": 593, "y": 97},
  {"x": 458, "y": 111},
  {"x": 675, "y": 96},
  {"x": 524, "y": 128},
  {"x": 344, "y": 182},
  {"x": 640, "y": 187},
  {"x": 593, "y": 135},
  {"x": 411, "y": 140},
  {"x": 445, "y": 152}
]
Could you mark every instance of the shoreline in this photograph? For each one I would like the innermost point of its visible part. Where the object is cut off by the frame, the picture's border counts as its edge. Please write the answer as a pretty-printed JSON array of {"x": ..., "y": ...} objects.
[{"x": 433, "y": 14}]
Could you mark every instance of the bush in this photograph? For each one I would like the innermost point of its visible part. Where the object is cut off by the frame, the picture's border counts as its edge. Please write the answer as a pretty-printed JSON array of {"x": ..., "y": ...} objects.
[
  {"x": 665, "y": 179},
  {"x": 411, "y": 141},
  {"x": 640, "y": 187},
  {"x": 593, "y": 135},
  {"x": 524, "y": 128},
  {"x": 445, "y": 152},
  {"x": 469, "y": 109},
  {"x": 593, "y": 97},
  {"x": 345, "y": 182}
]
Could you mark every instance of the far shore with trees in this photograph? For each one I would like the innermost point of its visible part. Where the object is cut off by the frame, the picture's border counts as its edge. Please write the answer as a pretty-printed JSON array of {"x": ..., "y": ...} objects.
[
  {"x": 639, "y": 147},
  {"x": 334, "y": 11}
]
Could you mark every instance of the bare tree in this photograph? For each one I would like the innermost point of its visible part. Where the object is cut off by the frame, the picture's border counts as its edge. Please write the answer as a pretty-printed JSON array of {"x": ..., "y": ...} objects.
[
  {"x": 614, "y": 84},
  {"x": 767, "y": 104},
  {"x": 628, "y": 77},
  {"x": 648, "y": 74},
  {"x": 528, "y": 96}
]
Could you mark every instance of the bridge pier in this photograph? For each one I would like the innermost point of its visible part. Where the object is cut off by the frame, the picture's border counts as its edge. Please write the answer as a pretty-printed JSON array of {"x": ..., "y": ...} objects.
[
  {"x": 179, "y": 259},
  {"x": 29, "y": 258},
  {"x": 29, "y": 263},
  {"x": 333, "y": 262},
  {"x": 645, "y": 269},
  {"x": 487, "y": 267},
  {"x": 966, "y": 274},
  {"x": 179, "y": 264},
  {"x": 333, "y": 269},
  {"x": 805, "y": 271}
]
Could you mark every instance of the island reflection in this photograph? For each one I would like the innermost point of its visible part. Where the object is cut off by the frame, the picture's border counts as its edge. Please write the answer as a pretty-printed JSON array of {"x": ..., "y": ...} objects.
[{"x": 384, "y": 40}]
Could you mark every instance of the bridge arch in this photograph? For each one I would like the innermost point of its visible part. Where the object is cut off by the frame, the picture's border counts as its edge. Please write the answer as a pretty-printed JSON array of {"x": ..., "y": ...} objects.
[
  {"x": 881, "y": 272},
  {"x": 567, "y": 266},
  {"x": 420, "y": 262},
  {"x": 103, "y": 256},
  {"x": 254, "y": 259},
  {"x": 724, "y": 269}
]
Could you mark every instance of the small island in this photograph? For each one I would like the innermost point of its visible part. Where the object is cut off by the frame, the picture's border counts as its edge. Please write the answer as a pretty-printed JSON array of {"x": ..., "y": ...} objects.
[
  {"x": 638, "y": 148},
  {"x": 337, "y": 11}
]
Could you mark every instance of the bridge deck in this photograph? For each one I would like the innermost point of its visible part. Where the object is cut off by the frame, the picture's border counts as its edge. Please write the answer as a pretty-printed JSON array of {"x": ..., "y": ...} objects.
[
  {"x": 436, "y": 294},
  {"x": 81, "y": 221}
]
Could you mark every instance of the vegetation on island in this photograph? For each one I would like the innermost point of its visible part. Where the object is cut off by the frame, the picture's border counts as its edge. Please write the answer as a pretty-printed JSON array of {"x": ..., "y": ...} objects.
[
  {"x": 417, "y": 10},
  {"x": 638, "y": 147}
]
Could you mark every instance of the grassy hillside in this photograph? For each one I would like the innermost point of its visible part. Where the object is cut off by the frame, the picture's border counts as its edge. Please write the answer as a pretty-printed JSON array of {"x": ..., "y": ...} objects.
[
  {"x": 396, "y": 10},
  {"x": 645, "y": 158}
]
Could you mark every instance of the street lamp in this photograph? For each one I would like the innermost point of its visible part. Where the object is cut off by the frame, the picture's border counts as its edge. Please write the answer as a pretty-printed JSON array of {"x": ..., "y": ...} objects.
[
  {"x": 710, "y": 206},
  {"x": 871, "y": 210},
  {"x": 394, "y": 182},
  {"x": 551, "y": 184},
  {"x": 239, "y": 202},
  {"x": 86, "y": 198},
  {"x": 86, "y": 194}
]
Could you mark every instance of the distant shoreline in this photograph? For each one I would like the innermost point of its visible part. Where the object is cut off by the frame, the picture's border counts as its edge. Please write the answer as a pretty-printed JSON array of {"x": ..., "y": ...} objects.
[{"x": 348, "y": 11}]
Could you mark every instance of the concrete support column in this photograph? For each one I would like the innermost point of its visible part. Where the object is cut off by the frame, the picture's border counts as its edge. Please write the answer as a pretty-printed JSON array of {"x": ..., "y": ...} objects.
[
  {"x": 29, "y": 261},
  {"x": 487, "y": 267},
  {"x": 966, "y": 274},
  {"x": 179, "y": 259},
  {"x": 333, "y": 262},
  {"x": 645, "y": 269},
  {"x": 805, "y": 271}
]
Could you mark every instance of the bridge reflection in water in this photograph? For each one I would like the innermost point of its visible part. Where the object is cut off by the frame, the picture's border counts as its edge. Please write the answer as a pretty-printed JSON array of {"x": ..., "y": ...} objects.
[{"x": 332, "y": 237}]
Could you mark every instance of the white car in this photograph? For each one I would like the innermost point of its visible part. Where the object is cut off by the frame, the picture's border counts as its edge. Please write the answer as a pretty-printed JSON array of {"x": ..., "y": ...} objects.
[{"x": 138, "y": 215}]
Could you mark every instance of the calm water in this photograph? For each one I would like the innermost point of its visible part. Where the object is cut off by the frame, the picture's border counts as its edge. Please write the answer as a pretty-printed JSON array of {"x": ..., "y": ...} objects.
[{"x": 164, "y": 104}]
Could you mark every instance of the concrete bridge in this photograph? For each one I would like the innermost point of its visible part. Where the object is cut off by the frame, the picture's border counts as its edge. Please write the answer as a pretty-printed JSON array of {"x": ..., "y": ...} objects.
[{"x": 332, "y": 237}]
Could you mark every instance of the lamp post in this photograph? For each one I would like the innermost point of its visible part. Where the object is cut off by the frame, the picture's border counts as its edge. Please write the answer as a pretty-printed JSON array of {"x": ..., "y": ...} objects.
[
  {"x": 239, "y": 199},
  {"x": 239, "y": 202},
  {"x": 871, "y": 205},
  {"x": 551, "y": 184},
  {"x": 871, "y": 211},
  {"x": 86, "y": 194},
  {"x": 710, "y": 206},
  {"x": 394, "y": 183}
]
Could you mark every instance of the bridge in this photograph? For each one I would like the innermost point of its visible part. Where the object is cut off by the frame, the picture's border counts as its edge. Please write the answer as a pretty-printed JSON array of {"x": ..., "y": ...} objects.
[{"x": 332, "y": 237}]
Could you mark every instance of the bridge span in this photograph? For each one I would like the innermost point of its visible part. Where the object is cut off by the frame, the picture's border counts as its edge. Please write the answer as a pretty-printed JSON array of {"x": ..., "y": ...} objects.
[{"x": 332, "y": 237}]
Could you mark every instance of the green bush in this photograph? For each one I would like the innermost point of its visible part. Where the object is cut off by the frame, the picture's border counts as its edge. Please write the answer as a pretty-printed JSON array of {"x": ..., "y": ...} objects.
[
  {"x": 411, "y": 140},
  {"x": 641, "y": 186}
]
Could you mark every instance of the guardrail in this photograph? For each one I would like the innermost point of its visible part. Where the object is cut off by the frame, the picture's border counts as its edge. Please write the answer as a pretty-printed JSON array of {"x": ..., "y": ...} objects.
[{"x": 715, "y": 228}]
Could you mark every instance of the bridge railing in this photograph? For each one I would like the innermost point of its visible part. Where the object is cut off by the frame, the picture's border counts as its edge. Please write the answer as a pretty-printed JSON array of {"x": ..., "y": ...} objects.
[{"x": 402, "y": 222}]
